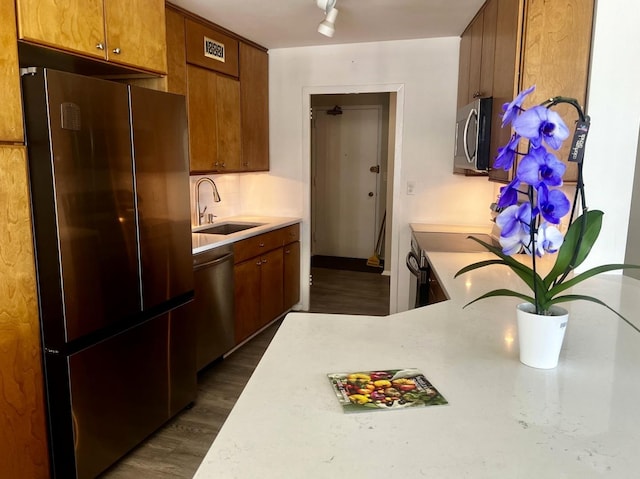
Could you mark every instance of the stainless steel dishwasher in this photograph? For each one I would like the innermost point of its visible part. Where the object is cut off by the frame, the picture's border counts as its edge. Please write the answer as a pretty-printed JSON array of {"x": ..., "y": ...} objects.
[{"x": 213, "y": 304}]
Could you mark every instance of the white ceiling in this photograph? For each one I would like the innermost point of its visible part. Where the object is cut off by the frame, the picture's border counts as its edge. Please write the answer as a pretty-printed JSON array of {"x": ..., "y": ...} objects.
[{"x": 293, "y": 23}]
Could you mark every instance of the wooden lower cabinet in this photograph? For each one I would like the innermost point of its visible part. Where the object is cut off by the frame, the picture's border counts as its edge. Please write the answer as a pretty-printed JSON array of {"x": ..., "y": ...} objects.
[
  {"x": 271, "y": 286},
  {"x": 291, "y": 275},
  {"x": 436, "y": 293},
  {"x": 258, "y": 292},
  {"x": 267, "y": 279}
]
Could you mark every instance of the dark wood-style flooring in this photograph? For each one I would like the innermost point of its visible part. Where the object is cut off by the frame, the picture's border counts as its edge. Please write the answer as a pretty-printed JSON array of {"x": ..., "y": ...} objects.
[{"x": 176, "y": 450}]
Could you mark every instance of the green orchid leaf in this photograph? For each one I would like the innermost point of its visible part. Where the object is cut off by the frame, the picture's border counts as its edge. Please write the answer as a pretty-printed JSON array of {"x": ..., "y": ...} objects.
[
  {"x": 572, "y": 238},
  {"x": 480, "y": 264},
  {"x": 588, "y": 274},
  {"x": 502, "y": 292},
  {"x": 526, "y": 274},
  {"x": 576, "y": 297}
]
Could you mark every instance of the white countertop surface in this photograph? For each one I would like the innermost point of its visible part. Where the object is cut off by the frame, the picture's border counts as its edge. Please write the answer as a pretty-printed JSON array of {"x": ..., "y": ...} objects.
[
  {"x": 203, "y": 241},
  {"x": 504, "y": 419}
]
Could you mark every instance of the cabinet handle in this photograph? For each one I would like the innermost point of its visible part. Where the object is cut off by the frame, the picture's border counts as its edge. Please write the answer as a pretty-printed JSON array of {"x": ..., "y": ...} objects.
[
  {"x": 264, "y": 260},
  {"x": 287, "y": 251},
  {"x": 259, "y": 263},
  {"x": 261, "y": 245},
  {"x": 116, "y": 51},
  {"x": 100, "y": 46}
]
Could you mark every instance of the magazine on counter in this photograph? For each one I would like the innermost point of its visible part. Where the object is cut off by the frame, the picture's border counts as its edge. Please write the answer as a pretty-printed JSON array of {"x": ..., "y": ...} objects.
[{"x": 385, "y": 390}]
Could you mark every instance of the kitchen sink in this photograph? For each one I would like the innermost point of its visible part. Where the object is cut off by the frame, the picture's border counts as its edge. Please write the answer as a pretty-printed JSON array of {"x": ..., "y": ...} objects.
[{"x": 228, "y": 228}]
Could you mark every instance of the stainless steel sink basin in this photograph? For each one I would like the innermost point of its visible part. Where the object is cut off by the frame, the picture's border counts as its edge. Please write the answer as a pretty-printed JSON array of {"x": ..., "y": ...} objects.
[{"x": 228, "y": 228}]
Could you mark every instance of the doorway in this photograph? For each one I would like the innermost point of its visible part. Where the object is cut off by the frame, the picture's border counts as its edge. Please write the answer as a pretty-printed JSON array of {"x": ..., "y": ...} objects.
[
  {"x": 346, "y": 180},
  {"x": 349, "y": 150}
]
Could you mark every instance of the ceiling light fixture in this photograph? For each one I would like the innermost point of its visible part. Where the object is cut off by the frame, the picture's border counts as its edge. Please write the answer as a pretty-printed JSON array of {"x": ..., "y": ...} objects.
[{"x": 327, "y": 26}]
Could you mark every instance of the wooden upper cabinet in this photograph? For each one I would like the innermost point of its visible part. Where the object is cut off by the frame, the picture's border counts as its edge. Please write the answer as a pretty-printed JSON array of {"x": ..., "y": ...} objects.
[
  {"x": 176, "y": 54},
  {"x": 120, "y": 31},
  {"x": 254, "y": 101},
  {"x": 506, "y": 74},
  {"x": 477, "y": 51},
  {"x": 214, "y": 121},
  {"x": 555, "y": 58},
  {"x": 211, "y": 49},
  {"x": 136, "y": 33},
  {"x": 228, "y": 122},
  {"x": 489, "y": 25},
  {"x": 202, "y": 113},
  {"x": 11, "y": 129},
  {"x": 475, "y": 64},
  {"x": 463, "y": 68},
  {"x": 74, "y": 25}
]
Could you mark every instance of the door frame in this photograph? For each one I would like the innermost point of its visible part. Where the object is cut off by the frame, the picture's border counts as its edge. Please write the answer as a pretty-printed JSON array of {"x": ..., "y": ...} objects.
[
  {"x": 394, "y": 204},
  {"x": 377, "y": 216}
]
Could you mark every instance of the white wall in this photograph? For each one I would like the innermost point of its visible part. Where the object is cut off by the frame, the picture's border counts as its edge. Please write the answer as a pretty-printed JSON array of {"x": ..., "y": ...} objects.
[
  {"x": 614, "y": 107},
  {"x": 427, "y": 72}
]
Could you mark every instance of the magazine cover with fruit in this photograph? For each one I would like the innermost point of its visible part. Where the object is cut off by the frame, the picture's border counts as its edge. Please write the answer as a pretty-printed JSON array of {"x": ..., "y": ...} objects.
[{"x": 387, "y": 390}]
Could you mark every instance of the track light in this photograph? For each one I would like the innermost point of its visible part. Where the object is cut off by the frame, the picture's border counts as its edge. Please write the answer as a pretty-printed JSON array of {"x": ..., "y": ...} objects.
[{"x": 327, "y": 27}]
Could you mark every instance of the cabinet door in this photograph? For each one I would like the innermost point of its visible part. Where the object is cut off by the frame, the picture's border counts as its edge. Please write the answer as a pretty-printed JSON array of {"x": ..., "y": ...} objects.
[
  {"x": 489, "y": 19},
  {"x": 23, "y": 424},
  {"x": 556, "y": 61},
  {"x": 176, "y": 56},
  {"x": 202, "y": 109},
  {"x": 254, "y": 99},
  {"x": 506, "y": 69},
  {"x": 475, "y": 64},
  {"x": 291, "y": 275},
  {"x": 436, "y": 293},
  {"x": 228, "y": 121},
  {"x": 247, "y": 297},
  {"x": 11, "y": 111},
  {"x": 136, "y": 33},
  {"x": 463, "y": 68},
  {"x": 73, "y": 25},
  {"x": 271, "y": 286}
]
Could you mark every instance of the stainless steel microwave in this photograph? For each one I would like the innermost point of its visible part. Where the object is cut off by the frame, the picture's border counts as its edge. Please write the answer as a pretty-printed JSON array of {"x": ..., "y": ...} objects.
[{"x": 473, "y": 135}]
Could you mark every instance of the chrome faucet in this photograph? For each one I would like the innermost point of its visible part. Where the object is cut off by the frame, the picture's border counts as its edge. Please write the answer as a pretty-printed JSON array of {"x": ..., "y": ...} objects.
[{"x": 216, "y": 197}]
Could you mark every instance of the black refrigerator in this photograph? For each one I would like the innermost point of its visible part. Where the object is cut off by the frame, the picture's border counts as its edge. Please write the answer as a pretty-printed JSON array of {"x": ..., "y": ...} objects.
[{"x": 108, "y": 165}]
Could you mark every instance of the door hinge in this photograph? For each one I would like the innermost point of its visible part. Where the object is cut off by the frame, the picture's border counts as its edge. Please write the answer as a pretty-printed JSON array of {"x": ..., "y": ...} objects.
[{"x": 375, "y": 169}]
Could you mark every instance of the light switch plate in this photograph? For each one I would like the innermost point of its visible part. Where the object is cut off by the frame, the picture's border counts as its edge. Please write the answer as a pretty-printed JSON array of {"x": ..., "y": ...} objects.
[{"x": 411, "y": 187}]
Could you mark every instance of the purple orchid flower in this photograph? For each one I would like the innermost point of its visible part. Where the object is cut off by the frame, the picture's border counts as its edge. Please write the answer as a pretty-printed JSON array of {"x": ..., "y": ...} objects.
[
  {"x": 507, "y": 154},
  {"x": 515, "y": 227},
  {"x": 512, "y": 109},
  {"x": 548, "y": 239},
  {"x": 538, "y": 124},
  {"x": 540, "y": 166},
  {"x": 553, "y": 204},
  {"x": 509, "y": 194}
]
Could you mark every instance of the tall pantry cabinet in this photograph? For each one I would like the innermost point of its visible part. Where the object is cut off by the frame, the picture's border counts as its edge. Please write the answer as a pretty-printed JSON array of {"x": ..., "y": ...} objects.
[{"x": 23, "y": 434}]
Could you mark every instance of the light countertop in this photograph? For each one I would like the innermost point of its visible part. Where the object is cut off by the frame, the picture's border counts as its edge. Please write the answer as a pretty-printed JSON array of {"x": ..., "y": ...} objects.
[
  {"x": 504, "y": 419},
  {"x": 203, "y": 241}
]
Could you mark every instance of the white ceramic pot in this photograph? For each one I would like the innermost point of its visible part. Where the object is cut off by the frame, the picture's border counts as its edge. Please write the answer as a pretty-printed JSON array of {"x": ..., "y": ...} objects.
[{"x": 540, "y": 337}]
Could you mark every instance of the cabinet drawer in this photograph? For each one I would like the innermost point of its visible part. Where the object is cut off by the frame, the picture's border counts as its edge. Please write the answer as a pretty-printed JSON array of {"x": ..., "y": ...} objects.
[
  {"x": 257, "y": 245},
  {"x": 211, "y": 49},
  {"x": 290, "y": 234}
]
